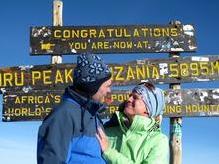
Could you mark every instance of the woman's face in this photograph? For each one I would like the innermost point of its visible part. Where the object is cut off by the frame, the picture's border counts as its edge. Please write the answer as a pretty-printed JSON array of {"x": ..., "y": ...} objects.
[{"x": 135, "y": 106}]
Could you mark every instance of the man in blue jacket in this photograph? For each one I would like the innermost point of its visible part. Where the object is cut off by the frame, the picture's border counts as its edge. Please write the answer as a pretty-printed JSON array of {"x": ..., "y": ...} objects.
[{"x": 67, "y": 135}]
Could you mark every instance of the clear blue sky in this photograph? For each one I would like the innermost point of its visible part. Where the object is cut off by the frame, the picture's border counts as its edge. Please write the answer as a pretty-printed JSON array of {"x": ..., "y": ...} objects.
[{"x": 200, "y": 135}]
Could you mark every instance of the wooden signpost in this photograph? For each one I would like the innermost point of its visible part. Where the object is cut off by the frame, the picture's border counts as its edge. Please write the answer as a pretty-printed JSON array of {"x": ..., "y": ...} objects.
[
  {"x": 111, "y": 39},
  {"x": 37, "y": 104},
  {"x": 32, "y": 92},
  {"x": 59, "y": 76}
]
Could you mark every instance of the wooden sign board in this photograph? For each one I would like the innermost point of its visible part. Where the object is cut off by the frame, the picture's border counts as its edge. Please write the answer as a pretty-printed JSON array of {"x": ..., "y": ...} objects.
[
  {"x": 36, "y": 105},
  {"x": 57, "y": 77},
  {"x": 172, "y": 70},
  {"x": 111, "y": 39}
]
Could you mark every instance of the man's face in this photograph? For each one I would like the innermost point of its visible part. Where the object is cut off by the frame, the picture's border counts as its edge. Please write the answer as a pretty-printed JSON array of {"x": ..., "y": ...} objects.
[{"x": 104, "y": 89}]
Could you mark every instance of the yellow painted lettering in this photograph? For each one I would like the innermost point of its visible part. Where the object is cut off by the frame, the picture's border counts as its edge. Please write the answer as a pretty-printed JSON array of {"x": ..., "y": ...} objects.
[
  {"x": 145, "y": 31},
  {"x": 94, "y": 46},
  {"x": 174, "y": 71},
  {"x": 204, "y": 68},
  {"x": 155, "y": 73},
  {"x": 36, "y": 75},
  {"x": 157, "y": 32},
  {"x": 17, "y": 100},
  {"x": 140, "y": 72},
  {"x": 47, "y": 77},
  {"x": 30, "y": 99},
  {"x": 110, "y": 30},
  {"x": 57, "y": 99},
  {"x": 38, "y": 111},
  {"x": 112, "y": 109},
  {"x": 47, "y": 99},
  {"x": 23, "y": 99},
  {"x": 66, "y": 34},
  {"x": 118, "y": 33},
  {"x": 136, "y": 33},
  {"x": 68, "y": 76},
  {"x": 48, "y": 110},
  {"x": 145, "y": 44},
  {"x": 8, "y": 79},
  {"x": 24, "y": 111},
  {"x": 40, "y": 99},
  {"x": 139, "y": 45},
  {"x": 113, "y": 97},
  {"x": 106, "y": 45},
  {"x": 184, "y": 69},
  {"x": 58, "y": 78},
  {"x": 119, "y": 70},
  {"x": 173, "y": 32},
  {"x": 17, "y": 82},
  {"x": 101, "y": 34},
  {"x": 75, "y": 33},
  {"x": 84, "y": 33},
  {"x": 194, "y": 69},
  {"x": 57, "y": 34},
  {"x": 166, "y": 32},
  {"x": 130, "y": 74},
  {"x": 215, "y": 67},
  {"x": 93, "y": 33},
  {"x": 126, "y": 33}
]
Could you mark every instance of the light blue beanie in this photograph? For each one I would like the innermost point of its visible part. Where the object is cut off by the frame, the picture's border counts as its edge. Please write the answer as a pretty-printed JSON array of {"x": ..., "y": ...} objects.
[{"x": 153, "y": 99}]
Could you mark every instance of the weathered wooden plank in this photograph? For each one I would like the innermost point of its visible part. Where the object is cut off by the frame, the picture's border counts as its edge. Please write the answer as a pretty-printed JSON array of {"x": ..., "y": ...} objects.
[
  {"x": 188, "y": 69},
  {"x": 36, "y": 105},
  {"x": 111, "y": 39},
  {"x": 179, "y": 103}
]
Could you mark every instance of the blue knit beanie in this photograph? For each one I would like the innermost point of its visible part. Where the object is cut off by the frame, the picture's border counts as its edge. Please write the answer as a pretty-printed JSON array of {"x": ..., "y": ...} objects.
[
  {"x": 153, "y": 99},
  {"x": 90, "y": 73}
]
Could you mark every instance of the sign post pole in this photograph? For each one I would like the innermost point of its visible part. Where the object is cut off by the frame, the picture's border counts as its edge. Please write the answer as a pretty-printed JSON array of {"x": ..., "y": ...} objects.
[
  {"x": 175, "y": 124},
  {"x": 57, "y": 21}
]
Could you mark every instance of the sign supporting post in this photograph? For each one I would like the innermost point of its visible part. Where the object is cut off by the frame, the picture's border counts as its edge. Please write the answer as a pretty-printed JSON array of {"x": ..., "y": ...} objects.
[
  {"x": 175, "y": 125},
  {"x": 175, "y": 136},
  {"x": 57, "y": 21}
]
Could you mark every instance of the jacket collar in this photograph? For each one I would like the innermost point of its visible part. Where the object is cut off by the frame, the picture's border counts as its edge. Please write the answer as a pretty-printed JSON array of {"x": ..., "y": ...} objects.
[
  {"x": 86, "y": 102},
  {"x": 140, "y": 124}
]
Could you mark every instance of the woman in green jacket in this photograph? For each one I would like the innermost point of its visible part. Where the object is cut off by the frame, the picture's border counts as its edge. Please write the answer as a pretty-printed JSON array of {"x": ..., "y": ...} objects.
[{"x": 133, "y": 134}]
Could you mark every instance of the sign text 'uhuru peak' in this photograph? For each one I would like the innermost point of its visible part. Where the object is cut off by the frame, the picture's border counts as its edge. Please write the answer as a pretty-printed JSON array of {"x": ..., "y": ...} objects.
[{"x": 59, "y": 76}]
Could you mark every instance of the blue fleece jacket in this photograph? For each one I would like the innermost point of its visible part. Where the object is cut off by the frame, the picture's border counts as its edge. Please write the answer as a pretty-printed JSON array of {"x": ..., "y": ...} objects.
[{"x": 67, "y": 136}]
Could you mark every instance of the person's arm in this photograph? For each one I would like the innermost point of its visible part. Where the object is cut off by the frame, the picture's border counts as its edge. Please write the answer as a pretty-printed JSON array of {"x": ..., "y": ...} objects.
[
  {"x": 54, "y": 146},
  {"x": 159, "y": 154}
]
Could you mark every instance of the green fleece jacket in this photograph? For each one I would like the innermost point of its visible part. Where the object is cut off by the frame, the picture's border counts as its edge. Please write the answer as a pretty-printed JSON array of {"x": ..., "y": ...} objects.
[{"x": 143, "y": 142}]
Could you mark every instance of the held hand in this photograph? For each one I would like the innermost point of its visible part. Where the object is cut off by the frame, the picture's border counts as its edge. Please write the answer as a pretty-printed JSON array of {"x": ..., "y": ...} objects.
[{"x": 102, "y": 138}]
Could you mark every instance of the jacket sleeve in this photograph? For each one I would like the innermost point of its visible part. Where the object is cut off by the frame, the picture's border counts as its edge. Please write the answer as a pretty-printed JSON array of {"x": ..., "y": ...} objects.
[
  {"x": 54, "y": 142},
  {"x": 114, "y": 157},
  {"x": 159, "y": 153}
]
